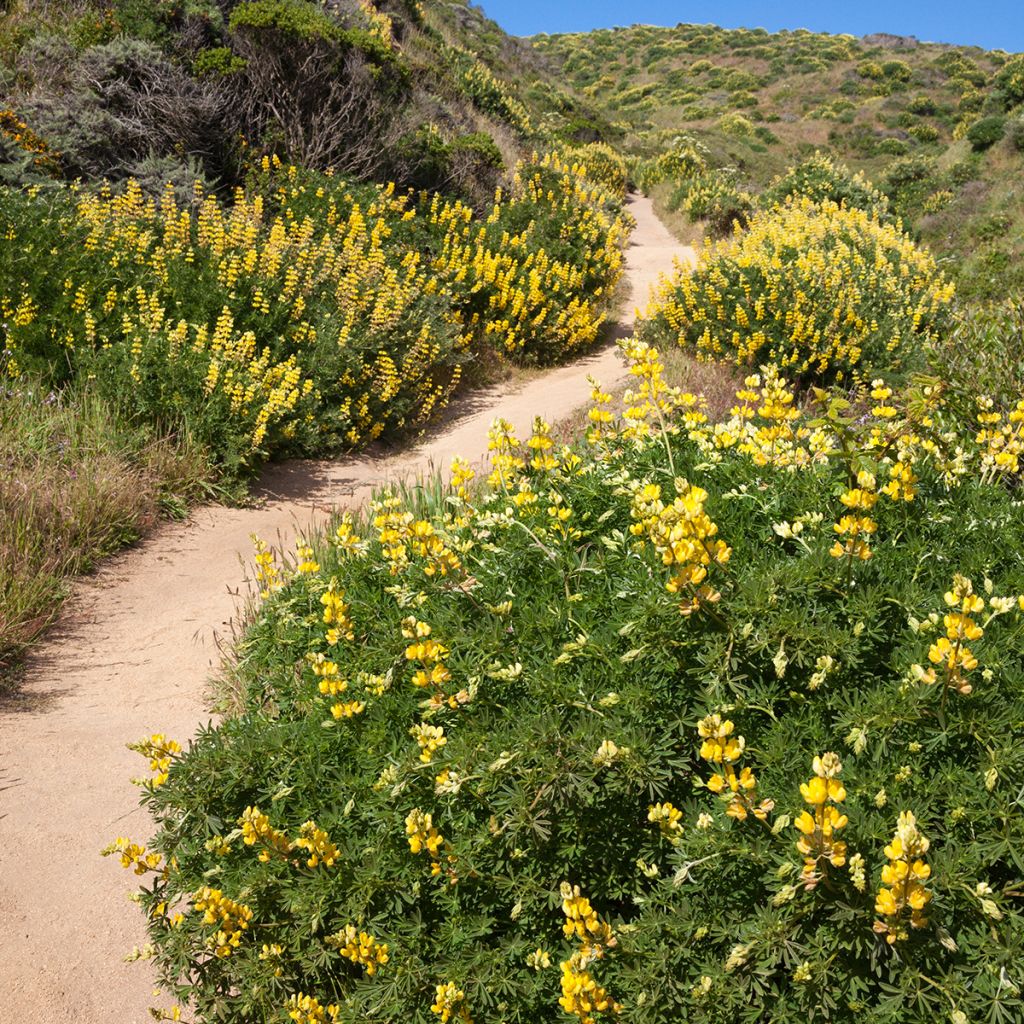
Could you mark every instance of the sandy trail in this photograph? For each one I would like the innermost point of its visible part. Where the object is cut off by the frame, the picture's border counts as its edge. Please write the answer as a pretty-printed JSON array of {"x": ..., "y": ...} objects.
[{"x": 133, "y": 653}]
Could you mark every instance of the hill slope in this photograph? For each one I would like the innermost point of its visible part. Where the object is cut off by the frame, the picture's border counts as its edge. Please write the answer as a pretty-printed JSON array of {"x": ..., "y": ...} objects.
[{"x": 938, "y": 127}]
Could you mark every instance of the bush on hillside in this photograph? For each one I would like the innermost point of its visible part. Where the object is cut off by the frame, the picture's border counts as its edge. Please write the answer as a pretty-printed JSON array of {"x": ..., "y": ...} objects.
[
  {"x": 820, "y": 178},
  {"x": 819, "y": 290},
  {"x": 686, "y": 158},
  {"x": 312, "y": 313},
  {"x": 986, "y": 132},
  {"x": 1009, "y": 82},
  {"x": 320, "y": 94},
  {"x": 604, "y": 166},
  {"x": 714, "y": 198},
  {"x": 549, "y": 753},
  {"x": 116, "y": 104},
  {"x": 1015, "y": 132}
]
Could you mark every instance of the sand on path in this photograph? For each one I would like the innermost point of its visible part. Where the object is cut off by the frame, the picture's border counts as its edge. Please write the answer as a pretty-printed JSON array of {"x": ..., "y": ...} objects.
[{"x": 132, "y": 654}]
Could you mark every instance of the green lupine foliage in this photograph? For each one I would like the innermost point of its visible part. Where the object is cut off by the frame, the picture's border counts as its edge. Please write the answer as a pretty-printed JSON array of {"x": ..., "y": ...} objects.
[{"x": 593, "y": 649}]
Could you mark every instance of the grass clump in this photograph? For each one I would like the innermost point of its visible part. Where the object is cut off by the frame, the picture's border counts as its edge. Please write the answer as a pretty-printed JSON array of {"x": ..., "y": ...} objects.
[
  {"x": 75, "y": 484},
  {"x": 627, "y": 734},
  {"x": 815, "y": 288}
]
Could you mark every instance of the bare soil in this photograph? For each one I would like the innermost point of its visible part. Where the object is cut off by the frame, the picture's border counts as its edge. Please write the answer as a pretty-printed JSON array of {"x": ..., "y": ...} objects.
[{"x": 133, "y": 653}]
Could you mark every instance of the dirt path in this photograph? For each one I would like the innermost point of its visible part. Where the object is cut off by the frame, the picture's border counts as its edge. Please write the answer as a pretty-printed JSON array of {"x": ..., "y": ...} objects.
[{"x": 132, "y": 655}]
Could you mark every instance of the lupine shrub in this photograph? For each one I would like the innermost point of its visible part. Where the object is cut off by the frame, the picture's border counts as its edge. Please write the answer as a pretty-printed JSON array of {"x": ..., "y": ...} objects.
[
  {"x": 714, "y": 198},
  {"x": 604, "y": 166},
  {"x": 818, "y": 289},
  {"x": 986, "y": 132},
  {"x": 310, "y": 314},
  {"x": 820, "y": 178},
  {"x": 714, "y": 722}
]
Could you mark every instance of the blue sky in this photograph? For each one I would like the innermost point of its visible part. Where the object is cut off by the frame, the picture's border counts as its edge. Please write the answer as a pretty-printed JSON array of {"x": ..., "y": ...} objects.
[{"x": 994, "y": 24}]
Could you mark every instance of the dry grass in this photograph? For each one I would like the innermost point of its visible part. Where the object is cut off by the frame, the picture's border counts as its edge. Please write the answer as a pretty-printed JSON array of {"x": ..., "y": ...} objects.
[{"x": 74, "y": 486}]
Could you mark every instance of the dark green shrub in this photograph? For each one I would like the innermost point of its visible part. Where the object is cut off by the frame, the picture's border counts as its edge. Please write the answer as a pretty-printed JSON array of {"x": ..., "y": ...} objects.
[
  {"x": 1015, "y": 133},
  {"x": 986, "y": 132},
  {"x": 892, "y": 146}
]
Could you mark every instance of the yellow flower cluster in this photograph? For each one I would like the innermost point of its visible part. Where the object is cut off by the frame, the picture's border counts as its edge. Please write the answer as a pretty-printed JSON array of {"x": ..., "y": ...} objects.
[
  {"x": 305, "y": 1009},
  {"x": 667, "y": 818},
  {"x": 421, "y": 834},
  {"x": 581, "y": 995},
  {"x": 720, "y": 748},
  {"x": 306, "y": 563},
  {"x": 903, "y": 882},
  {"x": 430, "y": 738},
  {"x": 950, "y": 653},
  {"x": 231, "y": 919},
  {"x": 450, "y": 1003},
  {"x": 684, "y": 536},
  {"x": 161, "y": 752},
  {"x": 133, "y": 856},
  {"x": 1001, "y": 439},
  {"x": 808, "y": 287},
  {"x": 317, "y": 843},
  {"x": 257, "y": 830},
  {"x": 432, "y": 673},
  {"x": 818, "y": 843},
  {"x": 856, "y": 529},
  {"x": 268, "y": 573},
  {"x": 360, "y": 947},
  {"x": 336, "y": 614}
]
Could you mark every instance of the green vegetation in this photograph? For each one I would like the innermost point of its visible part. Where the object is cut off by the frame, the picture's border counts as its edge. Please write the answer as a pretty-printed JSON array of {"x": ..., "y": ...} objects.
[
  {"x": 277, "y": 227},
  {"x": 903, "y": 114},
  {"x": 76, "y": 483},
  {"x": 595, "y": 681}
]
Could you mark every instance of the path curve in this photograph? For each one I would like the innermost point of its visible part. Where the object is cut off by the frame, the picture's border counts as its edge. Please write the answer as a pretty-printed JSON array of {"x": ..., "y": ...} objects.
[{"x": 132, "y": 654}]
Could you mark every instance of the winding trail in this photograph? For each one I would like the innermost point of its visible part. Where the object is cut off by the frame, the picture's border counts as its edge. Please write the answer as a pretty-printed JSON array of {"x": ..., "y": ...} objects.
[{"x": 132, "y": 654}]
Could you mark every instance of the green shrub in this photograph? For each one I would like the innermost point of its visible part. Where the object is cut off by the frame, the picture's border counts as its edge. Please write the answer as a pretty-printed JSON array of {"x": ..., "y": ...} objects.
[
  {"x": 576, "y": 722},
  {"x": 820, "y": 178},
  {"x": 1015, "y": 133},
  {"x": 217, "y": 60},
  {"x": 818, "y": 289},
  {"x": 1009, "y": 82},
  {"x": 714, "y": 198},
  {"x": 924, "y": 132},
  {"x": 986, "y": 132},
  {"x": 892, "y": 146},
  {"x": 604, "y": 166},
  {"x": 686, "y": 158}
]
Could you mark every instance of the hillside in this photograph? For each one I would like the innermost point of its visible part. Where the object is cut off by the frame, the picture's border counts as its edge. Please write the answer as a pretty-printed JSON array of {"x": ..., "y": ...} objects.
[
  {"x": 429, "y": 95},
  {"x": 901, "y": 111}
]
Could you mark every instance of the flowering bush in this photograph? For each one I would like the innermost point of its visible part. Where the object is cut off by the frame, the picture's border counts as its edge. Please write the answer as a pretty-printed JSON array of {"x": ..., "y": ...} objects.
[
  {"x": 713, "y": 197},
  {"x": 310, "y": 313},
  {"x": 604, "y": 166},
  {"x": 818, "y": 289},
  {"x": 819, "y": 178},
  {"x": 620, "y": 736}
]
